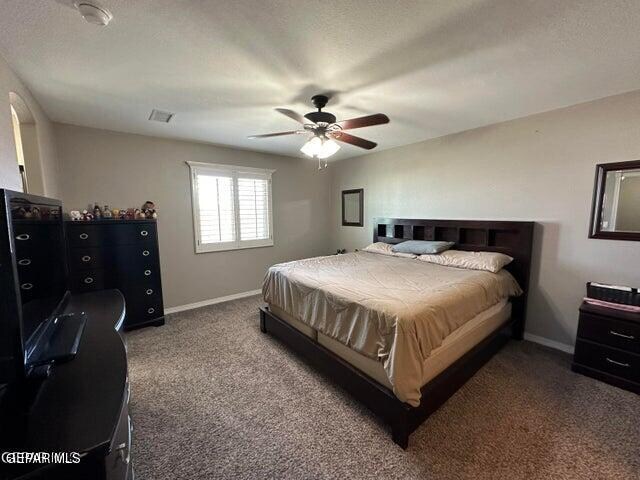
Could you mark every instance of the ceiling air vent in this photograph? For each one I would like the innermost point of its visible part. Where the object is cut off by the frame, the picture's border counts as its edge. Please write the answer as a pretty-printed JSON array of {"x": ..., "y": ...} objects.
[{"x": 160, "y": 116}]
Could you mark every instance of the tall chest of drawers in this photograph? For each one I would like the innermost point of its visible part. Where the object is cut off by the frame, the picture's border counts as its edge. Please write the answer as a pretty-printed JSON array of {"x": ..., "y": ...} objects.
[
  {"x": 120, "y": 254},
  {"x": 608, "y": 346}
]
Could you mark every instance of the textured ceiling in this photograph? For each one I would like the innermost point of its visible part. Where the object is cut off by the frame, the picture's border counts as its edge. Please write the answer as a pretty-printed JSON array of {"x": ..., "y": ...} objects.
[{"x": 434, "y": 67}]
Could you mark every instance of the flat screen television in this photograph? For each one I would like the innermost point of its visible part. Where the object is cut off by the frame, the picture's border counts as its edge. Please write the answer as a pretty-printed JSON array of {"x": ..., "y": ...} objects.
[{"x": 35, "y": 332}]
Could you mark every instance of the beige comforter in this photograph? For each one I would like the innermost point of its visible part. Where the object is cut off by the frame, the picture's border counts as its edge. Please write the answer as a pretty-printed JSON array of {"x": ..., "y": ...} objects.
[{"x": 395, "y": 310}]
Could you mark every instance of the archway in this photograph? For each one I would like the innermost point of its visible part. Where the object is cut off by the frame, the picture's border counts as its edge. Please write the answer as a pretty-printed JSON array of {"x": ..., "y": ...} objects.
[{"x": 25, "y": 131}]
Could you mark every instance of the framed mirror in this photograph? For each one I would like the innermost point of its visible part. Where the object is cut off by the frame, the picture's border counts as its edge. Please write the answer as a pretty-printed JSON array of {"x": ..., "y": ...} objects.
[
  {"x": 353, "y": 207},
  {"x": 615, "y": 212}
]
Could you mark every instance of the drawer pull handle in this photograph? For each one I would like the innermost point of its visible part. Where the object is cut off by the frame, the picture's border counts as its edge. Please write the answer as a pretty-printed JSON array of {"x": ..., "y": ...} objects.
[
  {"x": 24, "y": 262},
  {"x": 151, "y": 310},
  {"x": 620, "y": 364},
  {"x": 145, "y": 253},
  {"x": 149, "y": 291},
  {"x": 617, "y": 334},
  {"x": 83, "y": 236},
  {"x": 88, "y": 280},
  {"x": 86, "y": 258},
  {"x": 147, "y": 273},
  {"x": 23, "y": 236},
  {"x": 26, "y": 286},
  {"x": 144, "y": 233}
]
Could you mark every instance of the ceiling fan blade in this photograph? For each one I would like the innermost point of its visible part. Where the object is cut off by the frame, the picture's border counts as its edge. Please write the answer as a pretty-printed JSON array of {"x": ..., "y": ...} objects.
[
  {"x": 279, "y": 134},
  {"x": 368, "y": 121},
  {"x": 353, "y": 140},
  {"x": 294, "y": 115}
]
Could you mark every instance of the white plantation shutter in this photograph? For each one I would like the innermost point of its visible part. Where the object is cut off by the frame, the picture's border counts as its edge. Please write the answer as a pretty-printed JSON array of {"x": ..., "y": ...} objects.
[
  {"x": 231, "y": 207},
  {"x": 216, "y": 205},
  {"x": 253, "y": 205}
]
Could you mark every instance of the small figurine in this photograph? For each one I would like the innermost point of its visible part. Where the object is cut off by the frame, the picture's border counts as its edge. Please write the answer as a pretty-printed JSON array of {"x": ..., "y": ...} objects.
[
  {"x": 97, "y": 212},
  {"x": 131, "y": 214},
  {"x": 20, "y": 213},
  {"x": 106, "y": 213},
  {"x": 139, "y": 215},
  {"x": 149, "y": 210},
  {"x": 87, "y": 216},
  {"x": 75, "y": 215},
  {"x": 115, "y": 213}
]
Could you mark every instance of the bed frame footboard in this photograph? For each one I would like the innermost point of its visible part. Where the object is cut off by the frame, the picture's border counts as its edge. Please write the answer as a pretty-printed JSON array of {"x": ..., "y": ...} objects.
[{"x": 401, "y": 417}]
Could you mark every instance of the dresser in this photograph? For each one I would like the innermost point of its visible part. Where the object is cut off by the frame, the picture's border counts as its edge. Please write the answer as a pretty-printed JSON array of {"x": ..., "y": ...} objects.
[
  {"x": 120, "y": 254},
  {"x": 608, "y": 346},
  {"x": 80, "y": 407}
]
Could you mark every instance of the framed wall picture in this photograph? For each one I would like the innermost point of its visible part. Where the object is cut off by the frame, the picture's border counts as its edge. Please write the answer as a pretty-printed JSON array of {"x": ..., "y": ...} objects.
[{"x": 353, "y": 208}]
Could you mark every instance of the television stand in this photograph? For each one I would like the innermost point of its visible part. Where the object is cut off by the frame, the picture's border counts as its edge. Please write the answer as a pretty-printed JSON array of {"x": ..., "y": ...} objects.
[{"x": 80, "y": 408}]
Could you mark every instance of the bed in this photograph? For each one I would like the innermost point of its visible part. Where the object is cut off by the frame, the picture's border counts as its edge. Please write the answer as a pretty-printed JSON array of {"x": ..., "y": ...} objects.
[{"x": 400, "y": 334}]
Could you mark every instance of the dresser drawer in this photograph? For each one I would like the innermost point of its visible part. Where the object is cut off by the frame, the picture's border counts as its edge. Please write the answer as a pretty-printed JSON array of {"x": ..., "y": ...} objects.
[
  {"x": 143, "y": 275},
  {"x": 86, "y": 235},
  {"x": 30, "y": 237},
  {"x": 86, "y": 258},
  {"x": 610, "y": 331},
  {"x": 89, "y": 281},
  {"x": 609, "y": 360},
  {"x": 118, "y": 461},
  {"x": 132, "y": 234},
  {"x": 36, "y": 240},
  {"x": 33, "y": 287},
  {"x": 130, "y": 256},
  {"x": 143, "y": 310},
  {"x": 139, "y": 293}
]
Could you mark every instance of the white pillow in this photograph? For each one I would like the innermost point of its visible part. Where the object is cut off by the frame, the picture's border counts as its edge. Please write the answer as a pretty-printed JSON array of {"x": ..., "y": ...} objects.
[
  {"x": 386, "y": 249},
  {"x": 488, "y": 261}
]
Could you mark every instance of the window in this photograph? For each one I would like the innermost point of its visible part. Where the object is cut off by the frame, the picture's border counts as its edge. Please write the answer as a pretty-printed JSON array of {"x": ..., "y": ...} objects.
[{"x": 231, "y": 207}]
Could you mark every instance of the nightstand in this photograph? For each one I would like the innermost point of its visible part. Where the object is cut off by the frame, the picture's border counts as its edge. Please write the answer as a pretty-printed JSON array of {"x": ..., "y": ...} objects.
[{"x": 608, "y": 346}]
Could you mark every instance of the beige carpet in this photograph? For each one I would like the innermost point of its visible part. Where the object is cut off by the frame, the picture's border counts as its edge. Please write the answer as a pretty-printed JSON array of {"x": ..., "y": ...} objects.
[{"x": 213, "y": 397}]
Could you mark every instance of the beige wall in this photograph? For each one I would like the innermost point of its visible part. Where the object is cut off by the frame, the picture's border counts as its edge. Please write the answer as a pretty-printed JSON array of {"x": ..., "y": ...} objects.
[
  {"x": 538, "y": 168},
  {"x": 125, "y": 170},
  {"x": 47, "y": 179}
]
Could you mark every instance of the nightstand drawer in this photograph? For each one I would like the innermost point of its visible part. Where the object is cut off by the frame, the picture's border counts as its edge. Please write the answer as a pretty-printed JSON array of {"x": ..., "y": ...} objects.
[
  {"x": 609, "y": 331},
  {"x": 608, "y": 360}
]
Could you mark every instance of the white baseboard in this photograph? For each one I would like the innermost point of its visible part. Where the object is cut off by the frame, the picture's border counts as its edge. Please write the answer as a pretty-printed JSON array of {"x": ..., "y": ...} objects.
[
  {"x": 549, "y": 343},
  {"x": 212, "y": 301}
]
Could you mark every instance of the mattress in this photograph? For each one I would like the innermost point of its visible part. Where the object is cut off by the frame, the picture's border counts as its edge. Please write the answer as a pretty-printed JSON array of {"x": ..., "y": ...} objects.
[{"x": 393, "y": 311}]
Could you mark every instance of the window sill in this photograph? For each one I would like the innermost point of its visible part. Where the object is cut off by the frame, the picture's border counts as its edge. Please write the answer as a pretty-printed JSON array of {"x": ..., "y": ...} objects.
[{"x": 225, "y": 247}]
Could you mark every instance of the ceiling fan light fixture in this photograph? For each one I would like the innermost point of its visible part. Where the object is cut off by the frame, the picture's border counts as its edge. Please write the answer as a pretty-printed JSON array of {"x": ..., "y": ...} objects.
[
  {"x": 329, "y": 147},
  {"x": 320, "y": 147},
  {"x": 312, "y": 147}
]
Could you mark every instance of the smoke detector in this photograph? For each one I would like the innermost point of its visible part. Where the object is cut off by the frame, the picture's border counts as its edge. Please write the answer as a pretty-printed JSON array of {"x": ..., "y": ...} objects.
[{"x": 94, "y": 13}]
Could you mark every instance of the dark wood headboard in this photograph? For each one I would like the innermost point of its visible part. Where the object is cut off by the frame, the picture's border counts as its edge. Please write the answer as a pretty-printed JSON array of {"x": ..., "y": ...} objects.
[{"x": 511, "y": 238}]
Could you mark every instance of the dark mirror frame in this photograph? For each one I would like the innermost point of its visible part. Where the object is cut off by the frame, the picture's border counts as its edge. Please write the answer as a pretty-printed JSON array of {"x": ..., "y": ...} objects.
[
  {"x": 360, "y": 223},
  {"x": 598, "y": 195}
]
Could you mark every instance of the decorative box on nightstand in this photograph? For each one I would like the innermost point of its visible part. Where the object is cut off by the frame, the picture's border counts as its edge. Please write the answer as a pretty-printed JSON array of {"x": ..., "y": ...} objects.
[{"x": 608, "y": 346}]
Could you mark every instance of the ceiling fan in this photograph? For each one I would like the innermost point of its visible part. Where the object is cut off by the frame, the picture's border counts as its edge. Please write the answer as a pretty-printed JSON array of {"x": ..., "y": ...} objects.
[{"x": 324, "y": 129}]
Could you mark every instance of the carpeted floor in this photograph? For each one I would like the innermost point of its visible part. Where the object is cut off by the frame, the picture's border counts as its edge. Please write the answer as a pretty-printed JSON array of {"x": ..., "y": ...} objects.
[{"x": 213, "y": 397}]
